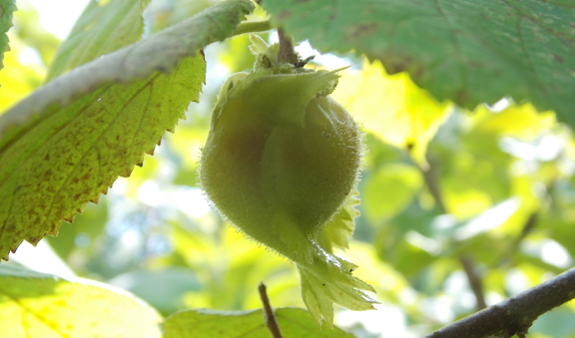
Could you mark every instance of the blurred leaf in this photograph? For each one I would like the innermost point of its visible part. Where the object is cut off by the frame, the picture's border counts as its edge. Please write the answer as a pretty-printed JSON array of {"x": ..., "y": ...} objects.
[
  {"x": 237, "y": 56},
  {"x": 230, "y": 268},
  {"x": 559, "y": 227},
  {"x": 17, "y": 80},
  {"x": 41, "y": 305},
  {"x": 163, "y": 290},
  {"x": 465, "y": 162},
  {"x": 102, "y": 28},
  {"x": 86, "y": 228},
  {"x": 7, "y": 7},
  {"x": 187, "y": 177},
  {"x": 466, "y": 51},
  {"x": 411, "y": 259},
  {"x": 523, "y": 259},
  {"x": 28, "y": 29},
  {"x": 390, "y": 189},
  {"x": 184, "y": 148},
  {"x": 293, "y": 323},
  {"x": 389, "y": 283},
  {"x": 557, "y": 323},
  {"x": 392, "y": 107},
  {"x": 515, "y": 120},
  {"x": 381, "y": 152},
  {"x": 406, "y": 241},
  {"x": 165, "y": 13},
  {"x": 54, "y": 165},
  {"x": 488, "y": 220}
]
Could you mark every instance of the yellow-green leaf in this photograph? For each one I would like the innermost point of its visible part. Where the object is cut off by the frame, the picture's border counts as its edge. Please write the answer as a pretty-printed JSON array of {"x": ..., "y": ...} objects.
[
  {"x": 293, "y": 323},
  {"x": 17, "y": 80},
  {"x": 54, "y": 159},
  {"x": 42, "y": 305},
  {"x": 392, "y": 107},
  {"x": 389, "y": 190},
  {"x": 52, "y": 166}
]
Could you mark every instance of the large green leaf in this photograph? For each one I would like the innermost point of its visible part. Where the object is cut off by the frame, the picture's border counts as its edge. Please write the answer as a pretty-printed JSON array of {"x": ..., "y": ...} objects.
[
  {"x": 68, "y": 156},
  {"x": 293, "y": 323},
  {"x": 103, "y": 27},
  {"x": 7, "y": 7},
  {"x": 41, "y": 305},
  {"x": 54, "y": 159},
  {"x": 466, "y": 51}
]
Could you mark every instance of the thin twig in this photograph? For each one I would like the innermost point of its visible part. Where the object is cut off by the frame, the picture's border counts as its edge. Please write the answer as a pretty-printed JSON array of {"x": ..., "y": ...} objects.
[
  {"x": 513, "y": 315},
  {"x": 433, "y": 187},
  {"x": 269, "y": 315},
  {"x": 474, "y": 281},
  {"x": 528, "y": 227},
  {"x": 514, "y": 247}
]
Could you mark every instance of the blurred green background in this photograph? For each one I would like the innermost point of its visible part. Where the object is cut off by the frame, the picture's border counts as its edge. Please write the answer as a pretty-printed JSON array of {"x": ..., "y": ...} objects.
[{"x": 442, "y": 188}]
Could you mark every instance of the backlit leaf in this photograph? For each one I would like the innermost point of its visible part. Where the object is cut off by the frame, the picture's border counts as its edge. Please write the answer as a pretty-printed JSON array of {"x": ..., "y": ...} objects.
[
  {"x": 392, "y": 107},
  {"x": 42, "y": 305},
  {"x": 68, "y": 156},
  {"x": 293, "y": 323},
  {"x": 53, "y": 160},
  {"x": 17, "y": 80}
]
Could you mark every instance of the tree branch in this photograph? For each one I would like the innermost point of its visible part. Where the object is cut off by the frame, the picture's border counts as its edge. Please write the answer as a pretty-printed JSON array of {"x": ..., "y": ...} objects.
[
  {"x": 513, "y": 315},
  {"x": 269, "y": 315}
]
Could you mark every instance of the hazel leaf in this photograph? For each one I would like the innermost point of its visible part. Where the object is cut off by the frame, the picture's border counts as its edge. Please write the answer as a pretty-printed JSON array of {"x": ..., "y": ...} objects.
[
  {"x": 469, "y": 52},
  {"x": 70, "y": 155},
  {"x": 34, "y": 304},
  {"x": 293, "y": 323},
  {"x": 67, "y": 143}
]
